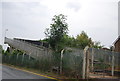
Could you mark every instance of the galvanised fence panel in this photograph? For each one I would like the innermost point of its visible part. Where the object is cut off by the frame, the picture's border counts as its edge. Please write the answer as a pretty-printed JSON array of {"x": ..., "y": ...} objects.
[
  {"x": 104, "y": 60},
  {"x": 73, "y": 63}
]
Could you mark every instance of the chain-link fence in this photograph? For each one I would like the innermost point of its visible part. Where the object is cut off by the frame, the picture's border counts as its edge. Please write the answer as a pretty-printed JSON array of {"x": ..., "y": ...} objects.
[{"x": 70, "y": 63}]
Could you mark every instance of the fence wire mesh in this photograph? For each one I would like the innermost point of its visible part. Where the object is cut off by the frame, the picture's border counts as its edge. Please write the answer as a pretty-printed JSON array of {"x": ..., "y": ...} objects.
[{"x": 72, "y": 61}]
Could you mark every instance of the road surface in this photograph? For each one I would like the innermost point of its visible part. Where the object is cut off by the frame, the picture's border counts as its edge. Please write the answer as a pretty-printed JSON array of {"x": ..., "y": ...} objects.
[{"x": 11, "y": 73}]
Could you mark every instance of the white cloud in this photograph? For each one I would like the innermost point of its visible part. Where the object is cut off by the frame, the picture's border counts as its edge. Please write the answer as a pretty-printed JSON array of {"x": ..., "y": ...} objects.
[{"x": 75, "y": 5}]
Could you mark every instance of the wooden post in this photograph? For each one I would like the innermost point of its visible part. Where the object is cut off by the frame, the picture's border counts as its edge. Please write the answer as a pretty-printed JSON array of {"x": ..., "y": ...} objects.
[
  {"x": 112, "y": 61},
  {"x": 84, "y": 62},
  {"x": 61, "y": 61},
  {"x": 92, "y": 60},
  {"x": 112, "y": 64}
]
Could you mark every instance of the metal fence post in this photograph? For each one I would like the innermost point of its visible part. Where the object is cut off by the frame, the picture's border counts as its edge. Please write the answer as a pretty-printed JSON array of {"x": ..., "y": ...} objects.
[
  {"x": 23, "y": 58},
  {"x": 17, "y": 58}
]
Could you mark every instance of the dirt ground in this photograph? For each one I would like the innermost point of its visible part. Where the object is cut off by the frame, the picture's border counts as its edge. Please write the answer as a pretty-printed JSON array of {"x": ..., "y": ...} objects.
[{"x": 102, "y": 75}]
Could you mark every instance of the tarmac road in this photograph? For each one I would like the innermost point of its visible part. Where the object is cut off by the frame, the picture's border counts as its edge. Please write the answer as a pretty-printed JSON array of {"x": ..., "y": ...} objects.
[{"x": 11, "y": 73}]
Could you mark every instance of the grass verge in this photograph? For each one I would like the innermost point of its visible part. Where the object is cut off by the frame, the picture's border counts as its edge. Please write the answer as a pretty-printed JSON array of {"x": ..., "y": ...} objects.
[{"x": 49, "y": 74}]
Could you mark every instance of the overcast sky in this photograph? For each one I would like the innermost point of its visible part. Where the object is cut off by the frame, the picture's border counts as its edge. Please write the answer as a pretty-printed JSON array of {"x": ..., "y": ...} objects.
[{"x": 98, "y": 18}]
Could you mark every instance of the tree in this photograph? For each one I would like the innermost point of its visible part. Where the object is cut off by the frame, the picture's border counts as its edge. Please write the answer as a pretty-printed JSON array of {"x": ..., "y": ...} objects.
[
  {"x": 69, "y": 41},
  {"x": 83, "y": 40},
  {"x": 56, "y": 32}
]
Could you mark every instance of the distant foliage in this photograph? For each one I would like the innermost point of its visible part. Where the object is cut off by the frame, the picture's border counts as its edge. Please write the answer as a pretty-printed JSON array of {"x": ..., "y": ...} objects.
[{"x": 83, "y": 40}]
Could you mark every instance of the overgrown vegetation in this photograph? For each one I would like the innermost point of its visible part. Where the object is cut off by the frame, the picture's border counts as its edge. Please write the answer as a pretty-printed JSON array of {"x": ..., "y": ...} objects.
[
  {"x": 16, "y": 57},
  {"x": 58, "y": 38}
]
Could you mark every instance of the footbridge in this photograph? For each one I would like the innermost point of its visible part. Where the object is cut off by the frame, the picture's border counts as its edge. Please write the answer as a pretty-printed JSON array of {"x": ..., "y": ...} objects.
[{"x": 35, "y": 49}]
